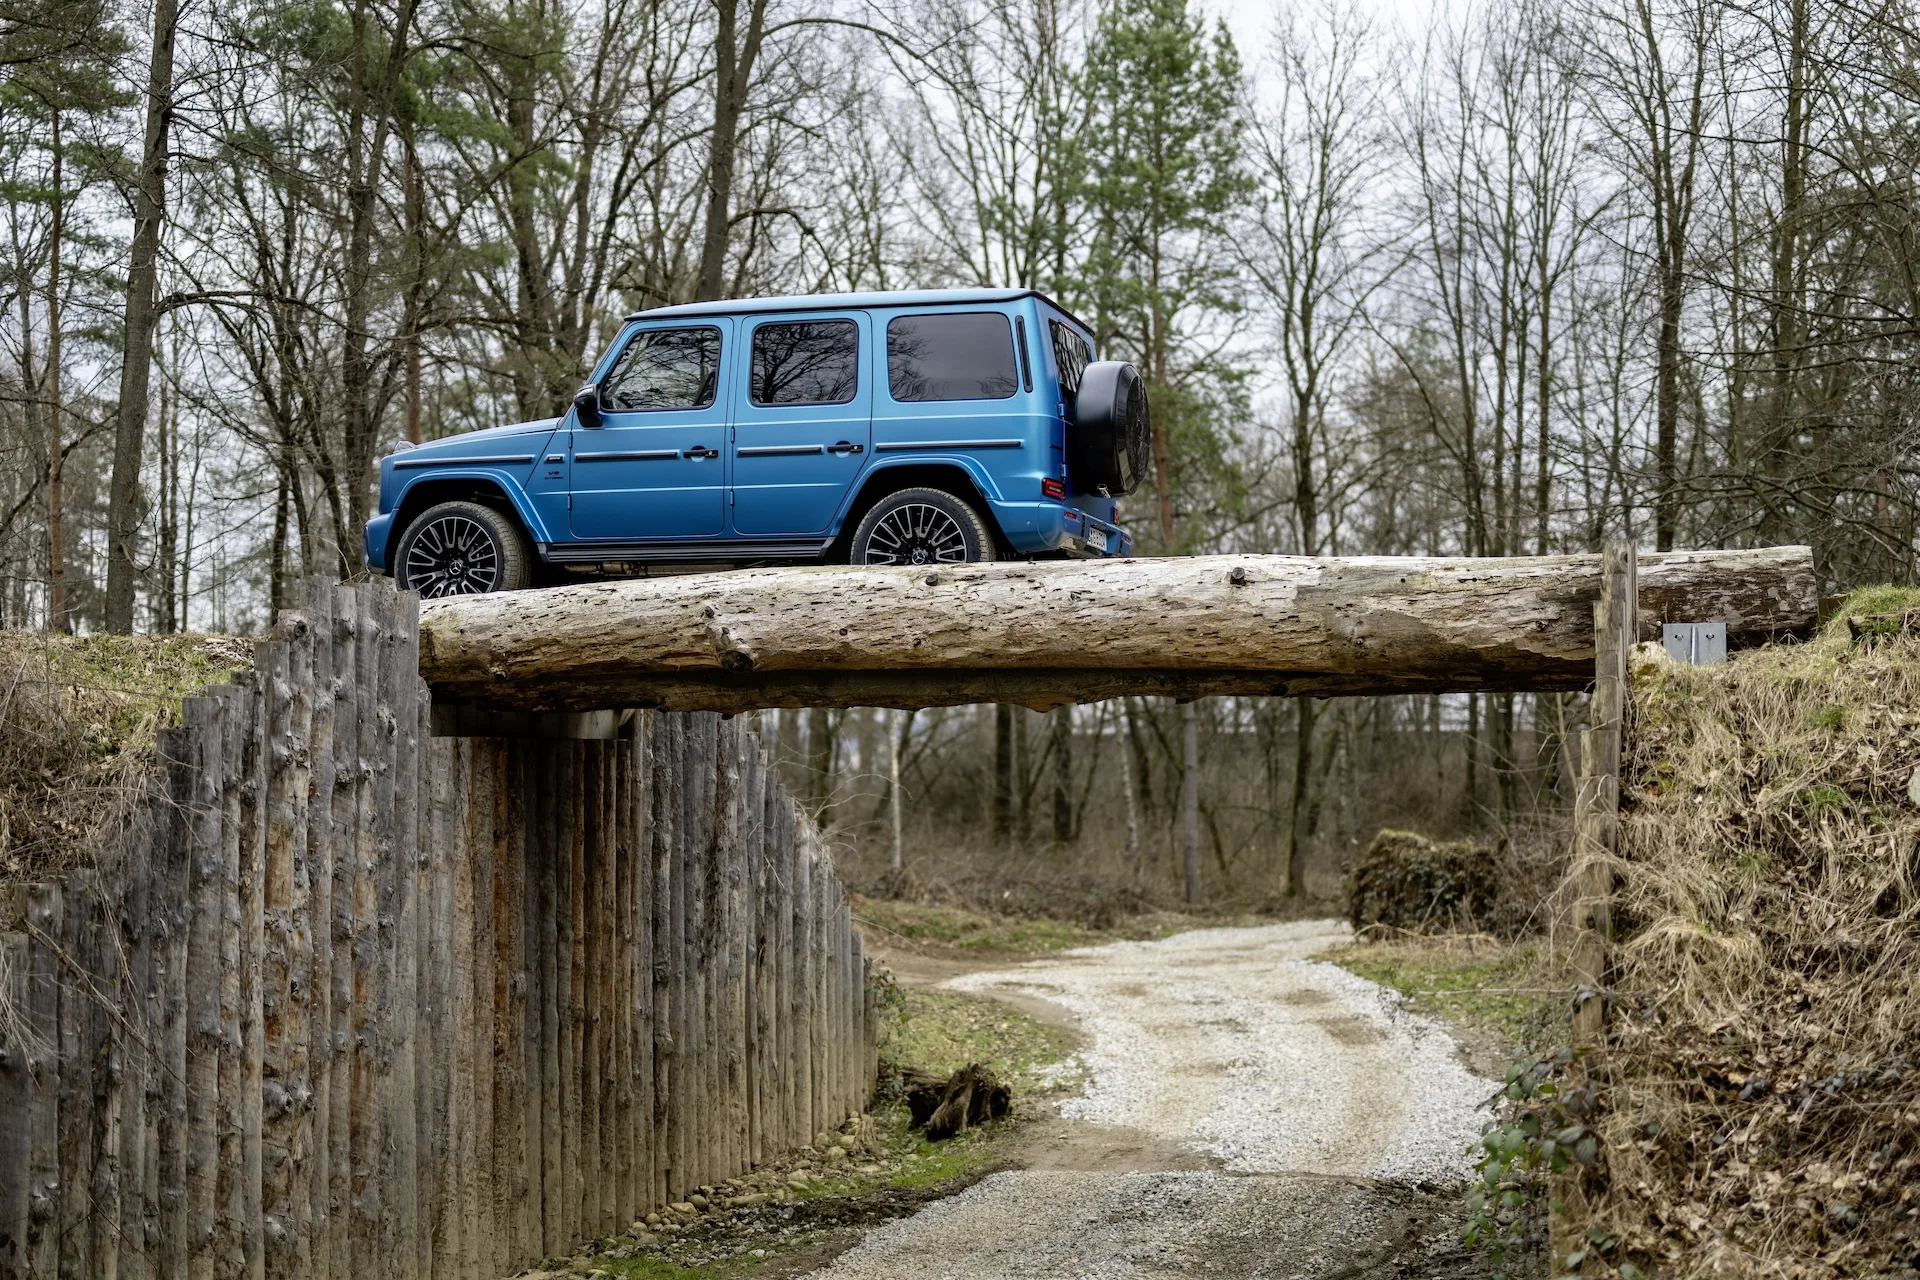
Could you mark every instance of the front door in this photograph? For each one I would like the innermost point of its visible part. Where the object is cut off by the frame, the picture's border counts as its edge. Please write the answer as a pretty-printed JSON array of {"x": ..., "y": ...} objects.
[
  {"x": 655, "y": 467},
  {"x": 803, "y": 428}
]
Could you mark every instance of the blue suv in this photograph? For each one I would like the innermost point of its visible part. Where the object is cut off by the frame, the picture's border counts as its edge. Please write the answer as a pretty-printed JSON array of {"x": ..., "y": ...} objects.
[{"x": 923, "y": 427}]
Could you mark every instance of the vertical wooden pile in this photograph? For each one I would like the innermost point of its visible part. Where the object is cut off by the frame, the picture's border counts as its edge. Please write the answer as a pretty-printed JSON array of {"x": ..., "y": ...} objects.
[{"x": 1596, "y": 822}]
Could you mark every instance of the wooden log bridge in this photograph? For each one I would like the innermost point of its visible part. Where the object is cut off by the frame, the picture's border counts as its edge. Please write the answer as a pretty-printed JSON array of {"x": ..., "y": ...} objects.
[{"x": 1047, "y": 633}]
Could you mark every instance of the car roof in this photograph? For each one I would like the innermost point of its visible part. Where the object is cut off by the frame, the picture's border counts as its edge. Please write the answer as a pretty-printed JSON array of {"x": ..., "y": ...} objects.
[{"x": 852, "y": 301}]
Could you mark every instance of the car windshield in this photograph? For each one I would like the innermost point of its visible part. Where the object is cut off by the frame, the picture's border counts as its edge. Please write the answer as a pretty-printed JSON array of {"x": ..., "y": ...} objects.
[
  {"x": 953, "y": 357},
  {"x": 664, "y": 369}
]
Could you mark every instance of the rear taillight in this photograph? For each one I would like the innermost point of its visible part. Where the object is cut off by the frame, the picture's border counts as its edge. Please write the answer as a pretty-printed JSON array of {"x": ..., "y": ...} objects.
[{"x": 1054, "y": 488}]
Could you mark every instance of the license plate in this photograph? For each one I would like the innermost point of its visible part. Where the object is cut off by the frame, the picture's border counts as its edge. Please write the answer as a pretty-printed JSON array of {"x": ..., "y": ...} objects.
[{"x": 1097, "y": 540}]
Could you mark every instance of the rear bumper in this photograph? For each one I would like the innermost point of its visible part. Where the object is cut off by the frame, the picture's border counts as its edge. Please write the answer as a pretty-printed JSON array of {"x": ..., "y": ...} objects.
[{"x": 1035, "y": 528}]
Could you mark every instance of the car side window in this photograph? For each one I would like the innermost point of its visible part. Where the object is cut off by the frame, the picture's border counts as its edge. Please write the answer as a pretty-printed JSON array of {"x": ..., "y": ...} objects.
[
  {"x": 954, "y": 357},
  {"x": 1071, "y": 354},
  {"x": 805, "y": 362},
  {"x": 664, "y": 369}
]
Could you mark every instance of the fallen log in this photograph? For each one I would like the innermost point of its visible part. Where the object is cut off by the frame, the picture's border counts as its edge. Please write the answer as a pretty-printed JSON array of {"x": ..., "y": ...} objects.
[{"x": 1047, "y": 633}]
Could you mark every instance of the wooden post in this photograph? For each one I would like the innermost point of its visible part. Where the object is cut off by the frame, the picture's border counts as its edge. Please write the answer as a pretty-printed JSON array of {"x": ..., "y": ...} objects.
[
  {"x": 285, "y": 671},
  {"x": 283, "y": 1025},
  {"x": 45, "y": 919},
  {"x": 542, "y": 815},
  {"x": 479, "y": 1150},
  {"x": 445, "y": 1071},
  {"x": 572, "y": 970},
  {"x": 516, "y": 1204},
  {"x": 253, "y": 845},
  {"x": 646, "y": 1162},
  {"x": 664, "y": 845},
  {"x": 753, "y": 942},
  {"x": 313, "y": 688},
  {"x": 589, "y": 945},
  {"x": 178, "y": 752},
  {"x": 804, "y": 971},
  {"x": 17, "y": 1060},
  {"x": 462, "y": 1118},
  {"x": 205, "y": 723},
  {"x": 135, "y": 1044},
  {"x": 401, "y": 691},
  {"x": 76, "y": 1095},
  {"x": 786, "y": 991},
  {"x": 363, "y": 997},
  {"x": 729, "y": 959},
  {"x": 350, "y": 670},
  {"x": 624, "y": 976},
  {"x": 1597, "y": 803}
]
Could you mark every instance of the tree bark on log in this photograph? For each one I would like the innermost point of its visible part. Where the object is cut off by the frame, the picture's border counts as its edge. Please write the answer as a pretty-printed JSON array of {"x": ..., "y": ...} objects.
[{"x": 1049, "y": 633}]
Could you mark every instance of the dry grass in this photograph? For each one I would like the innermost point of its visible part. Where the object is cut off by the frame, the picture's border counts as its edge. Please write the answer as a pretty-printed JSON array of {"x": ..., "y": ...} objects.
[
  {"x": 78, "y": 720},
  {"x": 1759, "y": 1100}
]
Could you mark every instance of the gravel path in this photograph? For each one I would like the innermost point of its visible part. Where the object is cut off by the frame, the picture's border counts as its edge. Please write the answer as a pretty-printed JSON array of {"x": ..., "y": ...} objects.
[{"x": 1336, "y": 1125}]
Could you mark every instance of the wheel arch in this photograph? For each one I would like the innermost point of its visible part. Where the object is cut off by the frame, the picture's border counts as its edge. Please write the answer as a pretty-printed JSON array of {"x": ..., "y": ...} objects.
[
  {"x": 881, "y": 481},
  {"x": 431, "y": 491}
]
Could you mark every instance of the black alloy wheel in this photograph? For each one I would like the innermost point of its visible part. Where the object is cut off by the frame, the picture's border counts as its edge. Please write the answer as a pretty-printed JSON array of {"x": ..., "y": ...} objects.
[
  {"x": 922, "y": 527},
  {"x": 462, "y": 549}
]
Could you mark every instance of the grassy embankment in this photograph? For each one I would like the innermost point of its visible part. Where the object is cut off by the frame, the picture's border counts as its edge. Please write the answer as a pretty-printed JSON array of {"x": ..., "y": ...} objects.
[
  {"x": 78, "y": 719},
  {"x": 1755, "y": 1109}
]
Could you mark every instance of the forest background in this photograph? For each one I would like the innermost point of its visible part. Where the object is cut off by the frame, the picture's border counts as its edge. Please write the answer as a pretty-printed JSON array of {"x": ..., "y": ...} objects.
[{"x": 1510, "y": 280}]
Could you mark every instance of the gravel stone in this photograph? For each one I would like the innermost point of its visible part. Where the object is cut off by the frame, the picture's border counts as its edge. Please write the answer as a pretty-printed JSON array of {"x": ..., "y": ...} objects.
[
  {"x": 1340, "y": 1125},
  {"x": 1231, "y": 1039}
]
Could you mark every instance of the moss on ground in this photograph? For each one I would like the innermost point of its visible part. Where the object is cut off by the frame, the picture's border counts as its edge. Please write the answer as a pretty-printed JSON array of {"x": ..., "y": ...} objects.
[
  {"x": 942, "y": 1031},
  {"x": 1488, "y": 985},
  {"x": 972, "y": 930}
]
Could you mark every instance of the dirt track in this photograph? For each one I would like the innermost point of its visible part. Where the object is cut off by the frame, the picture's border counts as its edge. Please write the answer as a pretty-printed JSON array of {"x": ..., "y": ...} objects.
[{"x": 1248, "y": 1113}]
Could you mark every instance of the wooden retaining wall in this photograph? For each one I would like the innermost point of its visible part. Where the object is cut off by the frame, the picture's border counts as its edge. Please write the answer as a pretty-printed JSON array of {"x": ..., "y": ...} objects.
[{"x": 356, "y": 1001}]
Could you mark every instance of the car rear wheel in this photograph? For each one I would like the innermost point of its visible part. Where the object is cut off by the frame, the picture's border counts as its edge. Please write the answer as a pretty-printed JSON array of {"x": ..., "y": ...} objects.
[
  {"x": 922, "y": 526},
  {"x": 462, "y": 549}
]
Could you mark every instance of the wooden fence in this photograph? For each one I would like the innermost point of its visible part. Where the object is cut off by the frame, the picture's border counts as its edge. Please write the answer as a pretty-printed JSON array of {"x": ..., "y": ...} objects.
[{"x": 356, "y": 1001}]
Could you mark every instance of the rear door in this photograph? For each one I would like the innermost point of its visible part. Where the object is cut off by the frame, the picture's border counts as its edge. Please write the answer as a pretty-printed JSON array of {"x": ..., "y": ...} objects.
[
  {"x": 655, "y": 468},
  {"x": 804, "y": 421}
]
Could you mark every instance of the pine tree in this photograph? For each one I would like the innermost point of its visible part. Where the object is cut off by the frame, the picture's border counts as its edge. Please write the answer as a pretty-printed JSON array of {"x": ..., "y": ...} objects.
[{"x": 1162, "y": 172}]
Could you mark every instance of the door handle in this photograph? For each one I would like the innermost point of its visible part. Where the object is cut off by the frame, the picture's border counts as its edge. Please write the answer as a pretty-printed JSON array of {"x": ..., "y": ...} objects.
[
  {"x": 846, "y": 446},
  {"x": 701, "y": 451}
]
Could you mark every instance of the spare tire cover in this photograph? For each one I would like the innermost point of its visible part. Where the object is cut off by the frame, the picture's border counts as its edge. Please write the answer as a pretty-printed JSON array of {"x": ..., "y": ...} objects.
[{"x": 1110, "y": 434}]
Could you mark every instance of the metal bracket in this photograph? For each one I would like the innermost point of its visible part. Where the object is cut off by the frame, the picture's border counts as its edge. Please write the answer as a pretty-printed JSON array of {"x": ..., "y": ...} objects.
[{"x": 1702, "y": 644}]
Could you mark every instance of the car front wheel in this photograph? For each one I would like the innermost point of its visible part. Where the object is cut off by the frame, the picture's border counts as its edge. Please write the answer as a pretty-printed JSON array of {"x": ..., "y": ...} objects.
[
  {"x": 462, "y": 549},
  {"x": 922, "y": 526}
]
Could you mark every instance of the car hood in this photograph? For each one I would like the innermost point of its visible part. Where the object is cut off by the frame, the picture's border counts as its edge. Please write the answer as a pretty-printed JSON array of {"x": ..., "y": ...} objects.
[{"x": 464, "y": 443}]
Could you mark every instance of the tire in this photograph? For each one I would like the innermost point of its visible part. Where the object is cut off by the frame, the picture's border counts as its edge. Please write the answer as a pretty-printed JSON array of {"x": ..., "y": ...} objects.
[
  {"x": 462, "y": 549},
  {"x": 1111, "y": 433},
  {"x": 921, "y": 526}
]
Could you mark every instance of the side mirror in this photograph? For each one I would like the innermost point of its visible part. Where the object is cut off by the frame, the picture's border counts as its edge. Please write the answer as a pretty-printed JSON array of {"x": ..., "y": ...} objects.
[{"x": 586, "y": 406}]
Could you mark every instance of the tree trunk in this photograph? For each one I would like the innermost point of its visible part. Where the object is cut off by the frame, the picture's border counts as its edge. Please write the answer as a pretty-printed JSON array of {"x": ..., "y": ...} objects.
[
  {"x": 56, "y": 450},
  {"x": 1303, "y": 719},
  {"x": 1003, "y": 774},
  {"x": 733, "y": 74},
  {"x": 901, "y": 719},
  {"x": 1062, "y": 726},
  {"x": 136, "y": 352},
  {"x": 819, "y": 760},
  {"x": 1190, "y": 799},
  {"x": 1048, "y": 633},
  {"x": 1134, "y": 858}
]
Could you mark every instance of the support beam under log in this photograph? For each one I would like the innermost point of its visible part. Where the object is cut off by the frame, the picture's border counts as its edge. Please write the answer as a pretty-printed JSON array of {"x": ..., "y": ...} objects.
[{"x": 1052, "y": 632}]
